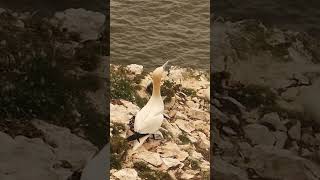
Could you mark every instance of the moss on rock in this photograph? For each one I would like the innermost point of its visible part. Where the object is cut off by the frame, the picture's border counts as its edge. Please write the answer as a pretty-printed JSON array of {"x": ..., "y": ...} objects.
[{"x": 146, "y": 173}]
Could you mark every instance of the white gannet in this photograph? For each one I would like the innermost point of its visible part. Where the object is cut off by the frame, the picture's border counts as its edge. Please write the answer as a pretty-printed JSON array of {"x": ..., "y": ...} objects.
[{"x": 149, "y": 119}]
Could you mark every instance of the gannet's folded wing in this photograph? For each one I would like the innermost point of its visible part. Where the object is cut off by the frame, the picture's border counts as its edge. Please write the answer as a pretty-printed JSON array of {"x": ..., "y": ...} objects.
[{"x": 149, "y": 125}]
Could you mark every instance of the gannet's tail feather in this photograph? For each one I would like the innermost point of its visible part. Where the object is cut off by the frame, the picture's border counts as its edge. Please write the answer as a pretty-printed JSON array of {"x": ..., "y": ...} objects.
[
  {"x": 138, "y": 144},
  {"x": 136, "y": 136}
]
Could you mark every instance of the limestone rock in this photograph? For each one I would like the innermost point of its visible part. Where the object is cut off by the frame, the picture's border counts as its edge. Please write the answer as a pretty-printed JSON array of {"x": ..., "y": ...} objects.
[
  {"x": 171, "y": 149},
  {"x": 199, "y": 114},
  {"x": 196, "y": 155},
  {"x": 131, "y": 108},
  {"x": 274, "y": 120},
  {"x": 126, "y": 174},
  {"x": 218, "y": 115},
  {"x": 259, "y": 134},
  {"x": 241, "y": 107},
  {"x": 135, "y": 69},
  {"x": 171, "y": 162},
  {"x": 189, "y": 174},
  {"x": 295, "y": 131},
  {"x": 192, "y": 104},
  {"x": 204, "y": 93},
  {"x": 172, "y": 128},
  {"x": 204, "y": 141},
  {"x": 201, "y": 126},
  {"x": 290, "y": 94},
  {"x": 180, "y": 115},
  {"x": 281, "y": 138},
  {"x": 122, "y": 113},
  {"x": 225, "y": 171},
  {"x": 67, "y": 146},
  {"x": 87, "y": 23},
  {"x": 229, "y": 130},
  {"x": 21, "y": 155},
  {"x": 265, "y": 160},
  {"x": 308, "y": 139},
  {"x": 95, "y": 168},
  {"x": 185, "y": 125},
  {"x": 150, "y": 157}
]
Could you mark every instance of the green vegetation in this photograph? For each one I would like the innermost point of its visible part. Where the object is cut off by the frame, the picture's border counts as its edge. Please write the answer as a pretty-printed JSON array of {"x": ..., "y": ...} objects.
[
  {"x": 191, "y": 73},
  {"x": 184, "y": 139},
  {"x": 253, "y": 96},
  {"x": 217, "y": 79},
  {"x": 168, "y": 89},
  {"x": 140, "y": 101},
  {"x": 117, "y": 128},
  {"x": 121, "y": 87},
  {"x": 166, "y": 134},
  {"x": 193, "y": 163},
  {"x": 189, "y": 92},
  {"x": 119, "y": 149},
  {"x": 124, "y": 88},
  {"x": 253, "y": 39},
  {"x": 146, "y": 173}
]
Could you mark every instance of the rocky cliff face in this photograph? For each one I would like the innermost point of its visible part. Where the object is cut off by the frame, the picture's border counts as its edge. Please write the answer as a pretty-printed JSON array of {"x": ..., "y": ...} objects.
[
  {"x": 265, "y": 119},
  {"x": 52, "y": 105},
  {"x": 183, "y": 153}
]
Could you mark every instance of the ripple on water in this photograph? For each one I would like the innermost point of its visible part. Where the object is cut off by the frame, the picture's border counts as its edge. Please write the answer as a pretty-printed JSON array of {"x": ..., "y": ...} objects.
[{"x": 144, "y": 32}]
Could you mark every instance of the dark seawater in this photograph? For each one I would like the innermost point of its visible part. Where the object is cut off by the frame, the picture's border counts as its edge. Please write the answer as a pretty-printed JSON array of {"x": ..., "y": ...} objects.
[
  {"x": 49, "y": 7},
  {"x": 296, "y": 15}
]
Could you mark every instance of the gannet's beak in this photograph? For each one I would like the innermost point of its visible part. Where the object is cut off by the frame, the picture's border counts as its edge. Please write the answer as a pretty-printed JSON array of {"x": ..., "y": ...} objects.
[{"x": 165, "y": 66}]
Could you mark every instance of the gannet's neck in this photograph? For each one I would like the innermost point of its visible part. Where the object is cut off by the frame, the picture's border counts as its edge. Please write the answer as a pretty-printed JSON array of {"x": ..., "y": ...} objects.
[{"x": 156, "y": 87}]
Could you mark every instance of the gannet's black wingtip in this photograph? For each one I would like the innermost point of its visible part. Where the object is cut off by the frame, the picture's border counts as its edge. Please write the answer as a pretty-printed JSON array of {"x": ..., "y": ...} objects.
[{"x": 136, "y": 136}]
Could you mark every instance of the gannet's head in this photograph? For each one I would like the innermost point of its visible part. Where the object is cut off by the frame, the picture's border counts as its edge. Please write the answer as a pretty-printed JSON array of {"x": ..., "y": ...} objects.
[{"x": 158, "y": 72}]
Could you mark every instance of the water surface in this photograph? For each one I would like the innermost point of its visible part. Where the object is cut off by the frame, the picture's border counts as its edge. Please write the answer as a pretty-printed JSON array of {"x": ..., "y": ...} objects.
[{"x": 146, "y": 32}]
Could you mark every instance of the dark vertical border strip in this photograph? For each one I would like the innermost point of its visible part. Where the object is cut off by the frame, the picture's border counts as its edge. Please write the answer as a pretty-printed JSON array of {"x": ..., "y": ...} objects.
[
  {"x": 211, "y": 92},
  {"x": 108, "y": 87}
]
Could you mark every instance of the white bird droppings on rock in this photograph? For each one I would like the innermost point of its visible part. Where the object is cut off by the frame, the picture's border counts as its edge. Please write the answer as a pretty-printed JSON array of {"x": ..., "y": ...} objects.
[{"x": 135, "y": 69}]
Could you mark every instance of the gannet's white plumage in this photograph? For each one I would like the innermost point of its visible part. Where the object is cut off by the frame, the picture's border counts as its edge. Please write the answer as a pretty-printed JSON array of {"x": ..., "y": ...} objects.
[{"x": 149, "y": 119}]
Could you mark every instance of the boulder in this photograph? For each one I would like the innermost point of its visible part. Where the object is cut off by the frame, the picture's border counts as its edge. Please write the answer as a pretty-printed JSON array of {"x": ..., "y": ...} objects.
[{"x": 87, "y": 23}]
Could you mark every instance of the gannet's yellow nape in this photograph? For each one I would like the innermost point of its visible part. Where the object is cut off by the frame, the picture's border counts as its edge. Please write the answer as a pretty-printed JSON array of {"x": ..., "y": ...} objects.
[{"x": 157, "y": 75}]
